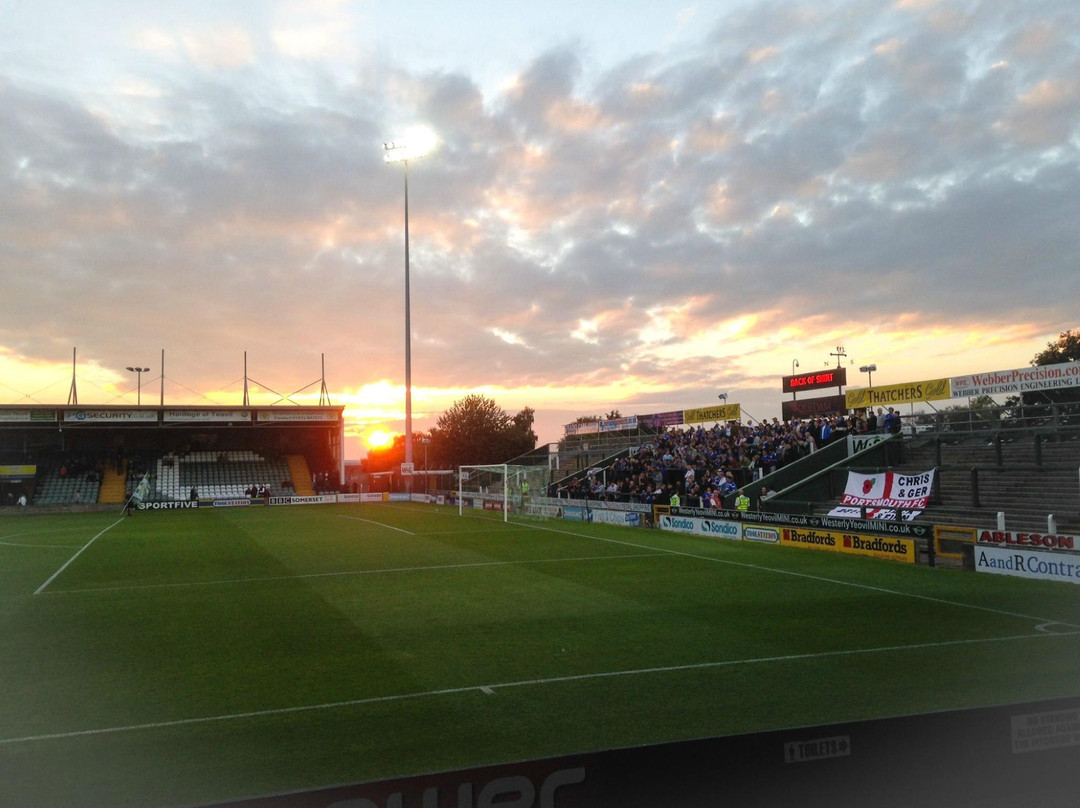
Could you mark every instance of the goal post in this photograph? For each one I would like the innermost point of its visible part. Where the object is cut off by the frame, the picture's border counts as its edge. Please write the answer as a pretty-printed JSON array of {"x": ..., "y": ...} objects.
[{"x": 500, "y": 487}]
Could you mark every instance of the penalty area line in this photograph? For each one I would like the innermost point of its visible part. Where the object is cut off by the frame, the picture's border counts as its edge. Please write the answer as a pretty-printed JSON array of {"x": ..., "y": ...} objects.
[
  {"x": 373, "y": 522},
  {"x": 489, "y": 689}
]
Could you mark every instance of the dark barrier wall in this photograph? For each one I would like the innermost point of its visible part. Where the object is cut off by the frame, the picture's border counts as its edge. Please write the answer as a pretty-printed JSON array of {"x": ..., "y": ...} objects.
[{"x": 996, "y": 757}]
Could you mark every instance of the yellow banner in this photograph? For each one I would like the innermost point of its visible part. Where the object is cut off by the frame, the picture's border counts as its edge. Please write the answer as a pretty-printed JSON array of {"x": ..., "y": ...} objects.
[
  {"x": 891, "y": 394},
  {"x": 18, "y": 471},
  {"x": 725, "y": 412},
  {"x": 893, "y": 549}
]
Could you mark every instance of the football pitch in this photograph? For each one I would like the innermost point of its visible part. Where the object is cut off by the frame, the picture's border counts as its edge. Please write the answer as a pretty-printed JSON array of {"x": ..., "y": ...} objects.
[{"x": 183, "y": 658}]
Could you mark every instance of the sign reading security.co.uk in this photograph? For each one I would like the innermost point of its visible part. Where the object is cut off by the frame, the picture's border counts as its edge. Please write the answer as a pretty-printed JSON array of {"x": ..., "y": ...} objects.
[{"x": 895, "y": 549}]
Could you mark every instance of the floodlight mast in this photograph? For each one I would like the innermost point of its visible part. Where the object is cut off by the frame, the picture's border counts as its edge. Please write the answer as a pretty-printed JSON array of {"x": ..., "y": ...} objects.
[{"x": 400, "y": 152}]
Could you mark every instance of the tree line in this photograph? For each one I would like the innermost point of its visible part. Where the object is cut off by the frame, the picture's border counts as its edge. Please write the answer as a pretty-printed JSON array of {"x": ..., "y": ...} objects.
[{"x": 474, "y": 431}]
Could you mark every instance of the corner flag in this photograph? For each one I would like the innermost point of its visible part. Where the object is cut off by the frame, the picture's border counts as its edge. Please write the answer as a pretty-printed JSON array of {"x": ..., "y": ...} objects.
[{"x": 142, "y": 490}]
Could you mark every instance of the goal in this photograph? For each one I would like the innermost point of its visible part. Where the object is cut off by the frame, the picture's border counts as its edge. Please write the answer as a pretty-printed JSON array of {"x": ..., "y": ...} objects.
[{"x": 502, "y": 487}]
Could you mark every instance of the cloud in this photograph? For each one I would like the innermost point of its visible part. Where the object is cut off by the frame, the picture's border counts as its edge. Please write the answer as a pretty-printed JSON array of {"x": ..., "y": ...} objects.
[{"x": 789, "y": 177}]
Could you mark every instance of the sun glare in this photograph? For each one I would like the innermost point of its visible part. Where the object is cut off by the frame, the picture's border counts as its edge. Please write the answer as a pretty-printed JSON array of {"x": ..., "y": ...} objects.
[{"x": 379, "y": 439}]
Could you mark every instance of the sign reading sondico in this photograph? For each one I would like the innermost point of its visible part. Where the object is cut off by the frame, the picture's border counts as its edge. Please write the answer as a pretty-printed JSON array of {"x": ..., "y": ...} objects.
[
  {"x": 719, "y": 528},
  {"x": 1028, "y": 564}
]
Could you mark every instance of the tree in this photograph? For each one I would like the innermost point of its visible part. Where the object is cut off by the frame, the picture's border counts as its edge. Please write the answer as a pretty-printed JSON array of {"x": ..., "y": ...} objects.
[
  {"x": 1066, "y": 349},
  {"x": 476, "y": 430}
]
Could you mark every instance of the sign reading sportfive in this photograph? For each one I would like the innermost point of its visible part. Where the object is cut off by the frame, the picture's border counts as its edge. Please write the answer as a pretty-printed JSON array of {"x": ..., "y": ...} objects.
[
  {"x": 168, "y": 506},
  {"x": 857, "y": 544}
]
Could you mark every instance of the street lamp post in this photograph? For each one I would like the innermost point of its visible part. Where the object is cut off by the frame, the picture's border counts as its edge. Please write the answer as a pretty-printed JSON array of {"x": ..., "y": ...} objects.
[
  {"x": 140, "y": 371},
  {"x": 869, "y": 371},
  {"x": 418, "y": 145}
]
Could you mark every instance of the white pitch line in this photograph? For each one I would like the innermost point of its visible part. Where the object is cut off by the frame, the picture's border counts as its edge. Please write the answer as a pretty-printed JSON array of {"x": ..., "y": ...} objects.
[
  {"x": 56, "y": 574},
  {"x": 344, "y": 573},
  {"x": 373, "y": 522},
  {"x": 39, "y": 546},
  {"x": 808, "y": 576},
  {"x": 489, "y": 689}
]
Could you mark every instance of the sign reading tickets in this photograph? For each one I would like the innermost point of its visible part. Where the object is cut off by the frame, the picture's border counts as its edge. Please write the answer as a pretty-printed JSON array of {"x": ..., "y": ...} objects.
[
  {"x": 725, "y": 412},
  {"x": 853, "y": 543},
  {"x": 890, "y": 394}
]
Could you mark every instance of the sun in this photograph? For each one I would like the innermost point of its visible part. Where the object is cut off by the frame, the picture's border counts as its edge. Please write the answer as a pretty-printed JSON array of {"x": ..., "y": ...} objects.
[{"x": 379, "y": 439}]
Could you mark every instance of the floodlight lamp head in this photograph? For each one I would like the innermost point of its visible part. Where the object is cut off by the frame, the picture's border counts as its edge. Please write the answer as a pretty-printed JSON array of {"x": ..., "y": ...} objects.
[{"x": 419, "y": 141}]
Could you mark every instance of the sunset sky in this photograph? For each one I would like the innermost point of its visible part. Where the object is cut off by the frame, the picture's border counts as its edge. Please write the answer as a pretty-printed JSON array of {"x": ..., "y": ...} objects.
[{"x": 632, "y": 206}]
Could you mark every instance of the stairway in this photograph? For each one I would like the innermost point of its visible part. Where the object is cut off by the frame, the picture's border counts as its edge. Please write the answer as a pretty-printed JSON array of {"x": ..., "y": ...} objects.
[
  {"x": 977, "y": 481},
  {"x": 113, "y": 485},
  {"x": 300, "y": 475}
]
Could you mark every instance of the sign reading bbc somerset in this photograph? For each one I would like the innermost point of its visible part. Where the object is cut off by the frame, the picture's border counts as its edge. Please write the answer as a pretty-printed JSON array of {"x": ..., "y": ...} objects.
[
  {"x": 319, "y": 499},
  {"x": 854, "y": 543},
  {"x": 720, "y": 528},
  {"x": 1028, "y": 564}
]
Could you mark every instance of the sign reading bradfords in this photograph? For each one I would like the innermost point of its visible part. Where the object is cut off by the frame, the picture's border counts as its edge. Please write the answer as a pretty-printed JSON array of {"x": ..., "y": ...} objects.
[{"x": 854, "y": 543}]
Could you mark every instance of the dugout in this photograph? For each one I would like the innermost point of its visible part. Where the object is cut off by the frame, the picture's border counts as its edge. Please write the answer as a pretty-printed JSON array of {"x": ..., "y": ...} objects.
[{"x": 77, "y": 452}]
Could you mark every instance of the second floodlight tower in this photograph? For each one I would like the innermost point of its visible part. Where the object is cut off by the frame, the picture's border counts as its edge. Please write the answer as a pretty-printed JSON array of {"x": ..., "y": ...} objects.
[{"x": 418, "y": 142}]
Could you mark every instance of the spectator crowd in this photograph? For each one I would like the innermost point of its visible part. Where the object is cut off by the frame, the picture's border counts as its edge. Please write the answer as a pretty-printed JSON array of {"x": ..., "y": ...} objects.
[{"x": 701, "y": 466}]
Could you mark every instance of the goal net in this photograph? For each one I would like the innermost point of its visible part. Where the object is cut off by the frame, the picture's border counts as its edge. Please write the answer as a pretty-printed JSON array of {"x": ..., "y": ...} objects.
[{"x": 503, "y": 488}]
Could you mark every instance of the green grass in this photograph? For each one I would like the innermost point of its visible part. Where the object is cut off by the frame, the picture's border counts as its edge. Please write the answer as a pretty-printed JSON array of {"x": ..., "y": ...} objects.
[{"x": 186, "y": 658}]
